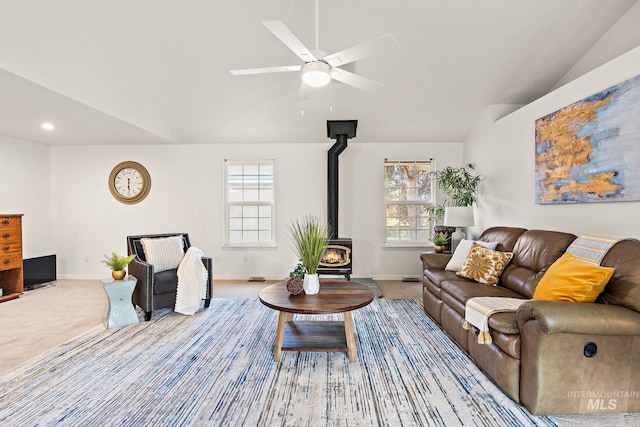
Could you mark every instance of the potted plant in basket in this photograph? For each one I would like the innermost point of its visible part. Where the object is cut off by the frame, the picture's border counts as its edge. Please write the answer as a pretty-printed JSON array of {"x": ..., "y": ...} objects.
[
  {"x": 296, "y": 279},
  {"x": 439, "y": 240},
  {"x": 309, "y": 237},
  {"x": 117, "y": 264}
]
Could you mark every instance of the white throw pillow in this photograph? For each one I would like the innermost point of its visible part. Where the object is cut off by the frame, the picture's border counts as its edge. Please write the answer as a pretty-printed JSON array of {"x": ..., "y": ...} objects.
[
  {"x": 164, "y": 253},
  {"x": 462, "y": 252}
]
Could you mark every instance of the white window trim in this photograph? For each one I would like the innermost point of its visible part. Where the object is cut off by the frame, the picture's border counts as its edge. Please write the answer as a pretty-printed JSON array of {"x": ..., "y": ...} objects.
[
  {"x": 227, "y": 204},
  {"x": 414, "y": 243}
]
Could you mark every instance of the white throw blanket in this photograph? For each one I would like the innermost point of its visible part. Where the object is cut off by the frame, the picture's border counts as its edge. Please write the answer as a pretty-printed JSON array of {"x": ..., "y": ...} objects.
[
  {"x": 479, "y": 309},
  {"x": 192, "y": 282}
]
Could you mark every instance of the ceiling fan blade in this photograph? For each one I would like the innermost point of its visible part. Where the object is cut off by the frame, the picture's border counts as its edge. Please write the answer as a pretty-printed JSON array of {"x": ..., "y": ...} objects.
[
  {"x": 289, "y": 39},
  {"x": 354, "y": 80},
  {"x": 372, "y": 47},
  {"x": 265, "y": 70}
]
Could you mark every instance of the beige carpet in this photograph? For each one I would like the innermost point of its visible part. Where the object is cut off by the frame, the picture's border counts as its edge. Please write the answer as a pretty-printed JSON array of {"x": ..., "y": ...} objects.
[{"x": 43, "y": 318}]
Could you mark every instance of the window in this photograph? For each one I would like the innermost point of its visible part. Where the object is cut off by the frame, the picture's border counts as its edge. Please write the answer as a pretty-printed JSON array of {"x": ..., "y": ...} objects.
[
  {"x": 408, "y": 194},
  {"x": 249, "y": 203}
]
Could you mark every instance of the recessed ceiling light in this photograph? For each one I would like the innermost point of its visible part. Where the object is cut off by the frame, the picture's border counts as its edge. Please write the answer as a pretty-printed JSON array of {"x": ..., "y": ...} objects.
[{"x": 48, "y": 126}]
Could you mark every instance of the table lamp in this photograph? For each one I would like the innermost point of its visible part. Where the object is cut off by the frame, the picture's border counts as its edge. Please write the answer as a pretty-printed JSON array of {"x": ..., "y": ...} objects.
[{"x": 458, "y": 217}]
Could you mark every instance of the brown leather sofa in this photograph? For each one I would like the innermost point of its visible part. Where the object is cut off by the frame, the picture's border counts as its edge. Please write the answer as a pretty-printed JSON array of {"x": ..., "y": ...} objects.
[{"x": 551, "y": 356}]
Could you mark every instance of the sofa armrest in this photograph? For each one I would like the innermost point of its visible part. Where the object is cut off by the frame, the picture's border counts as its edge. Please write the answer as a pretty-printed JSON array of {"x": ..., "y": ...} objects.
[
  {"x": 208, "y": 264},
  {"x": 556, "y": 317},
  {"x": 143, "y": 271},
  {"x": 434, "y": 260}
]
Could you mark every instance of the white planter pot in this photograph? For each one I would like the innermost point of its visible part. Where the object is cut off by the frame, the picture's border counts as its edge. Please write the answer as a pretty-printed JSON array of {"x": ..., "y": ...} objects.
[{"x": 311, "y": 284}]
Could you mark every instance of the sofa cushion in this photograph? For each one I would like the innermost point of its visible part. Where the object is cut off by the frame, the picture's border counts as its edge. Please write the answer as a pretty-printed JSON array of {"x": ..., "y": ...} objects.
[
  {"x": 462, "y": 252},
  {"x": 572, "y": 279},
  {"x": 533, "y": 254},
  {"x": 439, "y": 276},
  {"x": 484, "y": 265},
  {"x": 164, "y": 253},
  {"x": 505, "y": 236},
  {"x": 460, "y": 291},
  {"x": 165, "y": 282}
]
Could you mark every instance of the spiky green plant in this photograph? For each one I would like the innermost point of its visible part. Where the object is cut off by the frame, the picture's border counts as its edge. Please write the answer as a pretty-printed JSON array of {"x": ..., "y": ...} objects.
[
  {"x": 309, "y": 236},
  {"x": 116, "y": 262},
  {"x": 440, "y": 239}
]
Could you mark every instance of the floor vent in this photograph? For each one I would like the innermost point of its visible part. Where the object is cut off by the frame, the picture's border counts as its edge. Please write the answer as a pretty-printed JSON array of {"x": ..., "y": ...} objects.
[{"x": 256, "y": 279}]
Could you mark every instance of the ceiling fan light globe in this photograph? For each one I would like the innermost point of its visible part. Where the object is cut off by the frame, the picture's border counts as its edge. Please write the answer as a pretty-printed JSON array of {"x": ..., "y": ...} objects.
[
  {"x": 316, "y": 74},
  {"x": 316, "y": 78}
]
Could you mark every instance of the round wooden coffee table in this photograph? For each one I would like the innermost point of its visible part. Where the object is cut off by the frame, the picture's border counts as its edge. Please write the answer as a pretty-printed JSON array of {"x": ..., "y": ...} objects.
[{"x": 335, "y": 296}]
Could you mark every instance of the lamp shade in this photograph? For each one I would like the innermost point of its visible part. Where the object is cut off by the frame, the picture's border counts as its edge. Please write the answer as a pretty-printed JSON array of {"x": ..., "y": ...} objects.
[
  {"x": 316, "y": 74},
  {"x": 458, "y": 216}
]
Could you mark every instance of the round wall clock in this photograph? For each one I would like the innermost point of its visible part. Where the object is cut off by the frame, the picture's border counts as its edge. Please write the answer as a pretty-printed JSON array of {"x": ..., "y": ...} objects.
[{"x": 129, "y": 182}]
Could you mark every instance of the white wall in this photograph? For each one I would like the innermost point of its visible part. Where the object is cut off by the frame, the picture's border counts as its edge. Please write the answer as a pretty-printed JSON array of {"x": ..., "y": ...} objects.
[
  {"x": 504, "y": 152},
  {"x": 623, "y": 36},
  {"x": 187, "y": 196},
  {"x": 25, "y": 189}
]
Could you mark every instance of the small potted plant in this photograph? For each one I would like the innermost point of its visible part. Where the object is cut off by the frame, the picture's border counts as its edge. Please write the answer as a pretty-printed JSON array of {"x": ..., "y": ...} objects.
[
  {"x": 295, "y": 281},
  {"x": 309, "y": 236},
  {"x": 117, "y": 264},
  {"x": 439, "y": 240}
]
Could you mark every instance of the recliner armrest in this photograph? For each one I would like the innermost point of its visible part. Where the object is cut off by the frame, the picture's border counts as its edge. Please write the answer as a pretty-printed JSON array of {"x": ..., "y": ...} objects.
[
  {"x": 434, "y": 260},
  {"x": 556, "y": 317}
]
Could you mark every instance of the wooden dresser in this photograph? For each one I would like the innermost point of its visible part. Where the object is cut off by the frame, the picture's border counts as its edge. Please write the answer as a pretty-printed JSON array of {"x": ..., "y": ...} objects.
[{"x": 11, "y": 277}]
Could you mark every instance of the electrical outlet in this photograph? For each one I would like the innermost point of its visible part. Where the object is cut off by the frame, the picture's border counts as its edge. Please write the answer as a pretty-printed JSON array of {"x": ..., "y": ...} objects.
[{"x": 246, "y": 260}]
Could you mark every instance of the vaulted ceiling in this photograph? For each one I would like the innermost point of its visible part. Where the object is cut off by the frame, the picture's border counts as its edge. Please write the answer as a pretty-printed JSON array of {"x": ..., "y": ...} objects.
[{"x": 157, "y": 71}]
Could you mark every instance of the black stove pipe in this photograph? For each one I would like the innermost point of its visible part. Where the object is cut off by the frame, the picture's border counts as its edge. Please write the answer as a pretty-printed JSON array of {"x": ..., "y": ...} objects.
[{"x": 332, "y": 184}]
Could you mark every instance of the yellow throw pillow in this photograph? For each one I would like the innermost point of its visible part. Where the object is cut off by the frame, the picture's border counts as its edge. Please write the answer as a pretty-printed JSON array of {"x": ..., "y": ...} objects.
[
  {"x": 572, "y": 279},
  {"x": 484, "y": 265}
]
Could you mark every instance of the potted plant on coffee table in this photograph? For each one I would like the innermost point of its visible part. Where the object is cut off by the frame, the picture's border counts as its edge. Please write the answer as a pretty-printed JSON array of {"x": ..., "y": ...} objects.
[
  {"x": 117, "y": 264},
  {"x": 309, "y": 237}
]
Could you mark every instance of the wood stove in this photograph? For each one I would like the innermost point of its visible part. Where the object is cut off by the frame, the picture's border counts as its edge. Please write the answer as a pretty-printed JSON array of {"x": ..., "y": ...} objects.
[{"x": 338, "y": 258}]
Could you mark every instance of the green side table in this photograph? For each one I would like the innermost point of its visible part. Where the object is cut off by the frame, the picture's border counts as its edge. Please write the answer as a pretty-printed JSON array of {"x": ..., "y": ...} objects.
[{"x": 120, "y": 311}]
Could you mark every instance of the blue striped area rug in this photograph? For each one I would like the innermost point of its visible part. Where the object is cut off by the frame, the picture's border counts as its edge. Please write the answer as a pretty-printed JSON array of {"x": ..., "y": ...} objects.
[{"x": 216, "y": 368}]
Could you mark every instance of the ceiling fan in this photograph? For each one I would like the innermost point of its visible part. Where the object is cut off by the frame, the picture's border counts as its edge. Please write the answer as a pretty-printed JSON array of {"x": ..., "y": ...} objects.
[{"x": 318, "y": 68}]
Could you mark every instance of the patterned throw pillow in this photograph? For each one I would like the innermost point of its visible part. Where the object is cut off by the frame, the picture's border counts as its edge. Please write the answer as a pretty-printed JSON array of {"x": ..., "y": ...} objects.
[
  {"x": 484, "y": 265},
  {"x": 164, "y": 253}
]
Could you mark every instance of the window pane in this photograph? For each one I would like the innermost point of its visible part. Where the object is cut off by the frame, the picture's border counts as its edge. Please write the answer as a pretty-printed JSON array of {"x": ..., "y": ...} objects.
[
  {"x": 235, "y": 236},
  {"x": 250, "y": 236},
  {"x": 264, "y": 211},
  {"x": 250, "y": 195},
  {"x": 250, "y": 198},
  {"x": 266, "y": 195},
  {"x": 250, "y": 224},
  {"x": 266, "y": 169},
  {"x": 250, "y": 169},
  {"x": 250, "y": 211},
  {"x": 265, "y": 236},
  {"x": 264, "y": 224}
]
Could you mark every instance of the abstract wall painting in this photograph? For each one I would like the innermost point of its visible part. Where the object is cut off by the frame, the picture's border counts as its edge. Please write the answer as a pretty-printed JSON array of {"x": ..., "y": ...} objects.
[{"x": 589, "y": 151}]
